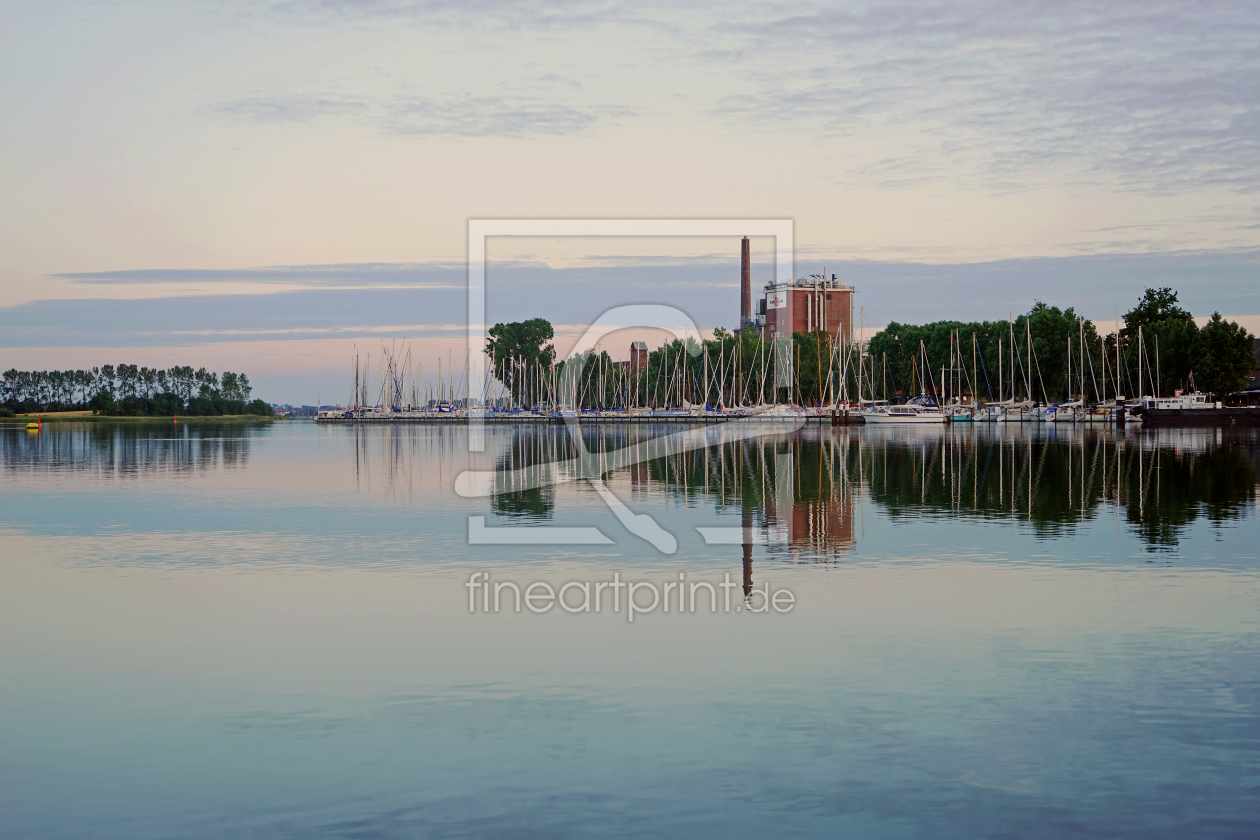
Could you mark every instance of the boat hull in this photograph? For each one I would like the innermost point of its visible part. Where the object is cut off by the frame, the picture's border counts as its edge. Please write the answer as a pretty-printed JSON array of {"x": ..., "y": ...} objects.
[
  {"x": 904, "y": 419},
  {"x": 1203, "y": 417}
]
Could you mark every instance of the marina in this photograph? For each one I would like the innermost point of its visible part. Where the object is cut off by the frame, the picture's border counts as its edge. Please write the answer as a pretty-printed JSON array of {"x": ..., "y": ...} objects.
[{"x": 797, "y": 356}]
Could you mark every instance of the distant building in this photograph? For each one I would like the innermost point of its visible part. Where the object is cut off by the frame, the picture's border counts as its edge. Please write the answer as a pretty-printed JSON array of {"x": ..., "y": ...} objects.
[
  {"x": 638, "y": 356},
  {"x": 815, "y": 304}
]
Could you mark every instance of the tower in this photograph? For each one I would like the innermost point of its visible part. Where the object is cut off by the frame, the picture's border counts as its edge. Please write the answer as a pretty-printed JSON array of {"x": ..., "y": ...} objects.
[{"x": 745, "y": 283}]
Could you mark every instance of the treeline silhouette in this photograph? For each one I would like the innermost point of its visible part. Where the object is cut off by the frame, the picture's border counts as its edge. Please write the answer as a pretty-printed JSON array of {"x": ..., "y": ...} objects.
[{"x": 131, "y": 391}]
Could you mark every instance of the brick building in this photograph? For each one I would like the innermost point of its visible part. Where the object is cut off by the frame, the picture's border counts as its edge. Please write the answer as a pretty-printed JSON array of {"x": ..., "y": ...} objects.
[{"x": 810, "y": 305}]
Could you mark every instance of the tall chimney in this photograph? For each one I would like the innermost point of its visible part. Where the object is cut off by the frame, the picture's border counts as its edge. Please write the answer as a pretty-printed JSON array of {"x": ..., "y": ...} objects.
[{"x": 745, "y": 284}]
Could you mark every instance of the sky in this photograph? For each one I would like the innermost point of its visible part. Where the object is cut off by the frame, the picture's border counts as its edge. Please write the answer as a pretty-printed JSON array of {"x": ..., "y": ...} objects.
[{"x": 273, "y": 186}]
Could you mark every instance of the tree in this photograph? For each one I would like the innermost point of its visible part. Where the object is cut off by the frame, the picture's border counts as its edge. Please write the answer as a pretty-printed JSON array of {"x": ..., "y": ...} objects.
[
  {"x": 128, "y": 390},
  {"x": 516, "y": 348},
  {"x": 1223, "y": 356},
  {"x": 1168, "y": 334},
  {"x": 1044, "y": 376},
  {"x": 107, "y": 378},
  {"x": 1157, "y": 306},
  {"x": 103, "y": 403}
]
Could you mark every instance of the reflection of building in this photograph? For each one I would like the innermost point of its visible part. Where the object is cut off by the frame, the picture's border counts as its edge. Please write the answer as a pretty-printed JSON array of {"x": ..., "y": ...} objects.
[
  {"x": 819, "y": 527},
  {"x": 822, "y": 525}
]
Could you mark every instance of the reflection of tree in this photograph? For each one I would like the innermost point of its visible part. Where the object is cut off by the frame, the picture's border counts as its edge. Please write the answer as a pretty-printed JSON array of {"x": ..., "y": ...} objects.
[
  {"x": 127, "y": 450},
  {"x": 794, "y": 492},
  {"x": 1168, "y": 488},
  {"x": 1054, "y": 484},
  {"x": 1041, "y": 480},
  {"x": 530, "y": 447},
  {"x": 535, "y": 503}
]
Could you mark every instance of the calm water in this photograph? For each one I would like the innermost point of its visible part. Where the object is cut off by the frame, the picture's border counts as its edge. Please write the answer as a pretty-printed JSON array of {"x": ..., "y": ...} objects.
[{"x": 235, "y": 631}]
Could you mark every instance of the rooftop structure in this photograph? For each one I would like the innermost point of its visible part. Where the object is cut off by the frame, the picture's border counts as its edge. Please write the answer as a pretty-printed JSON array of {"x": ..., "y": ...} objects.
[{"x": 812, "y": 304}]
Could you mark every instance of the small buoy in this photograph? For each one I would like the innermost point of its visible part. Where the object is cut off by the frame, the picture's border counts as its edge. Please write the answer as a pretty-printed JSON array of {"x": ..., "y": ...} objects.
[
  {"x": 33, "y": 426},
  {"x": 176, "y": 418}
]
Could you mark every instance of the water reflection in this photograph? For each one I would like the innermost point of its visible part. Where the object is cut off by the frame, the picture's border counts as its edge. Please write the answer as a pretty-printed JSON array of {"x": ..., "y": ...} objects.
[
  {"x": 1162, "y": 481},
  {"x": 105, "y": 451},
  {"x": 796, "y": 495},
  {"x": 796, "y": 492},
  {"x": 393, "y": 463}
]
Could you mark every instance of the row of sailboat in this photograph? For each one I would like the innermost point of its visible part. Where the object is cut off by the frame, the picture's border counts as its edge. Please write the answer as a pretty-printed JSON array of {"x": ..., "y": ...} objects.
[{"x": 560, "y": 391}]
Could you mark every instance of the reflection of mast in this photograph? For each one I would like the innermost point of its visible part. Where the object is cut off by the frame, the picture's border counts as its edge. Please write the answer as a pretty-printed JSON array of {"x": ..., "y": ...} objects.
[
  {"x": 747, "y": 556},
  {"x": 747, "y": 522}
]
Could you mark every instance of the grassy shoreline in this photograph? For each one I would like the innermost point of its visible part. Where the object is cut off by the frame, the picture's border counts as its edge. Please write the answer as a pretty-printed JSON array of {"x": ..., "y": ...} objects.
[{"x": 89, "y": 417}]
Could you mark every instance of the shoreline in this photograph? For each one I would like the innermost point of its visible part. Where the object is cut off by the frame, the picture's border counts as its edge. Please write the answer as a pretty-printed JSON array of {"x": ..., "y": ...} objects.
[{"x": 88, "y": 417}]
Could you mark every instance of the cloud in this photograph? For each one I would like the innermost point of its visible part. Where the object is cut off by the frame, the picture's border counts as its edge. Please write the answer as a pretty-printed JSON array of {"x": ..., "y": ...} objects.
[
  {"x": 1152, "y": 96},
  {"x": 509, "y": 14},
  {"x": 707, "y": 291},
  {"x": 518, "y": 116},
  {"x": 485, "y": 116},
  {"x": 290, "y": 108},
  {"x": 1158, "y": 96},
  {"x": 432, "y": 275}
]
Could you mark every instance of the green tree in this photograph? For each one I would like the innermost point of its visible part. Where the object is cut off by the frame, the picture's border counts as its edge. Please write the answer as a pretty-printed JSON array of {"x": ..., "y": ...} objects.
[
  {"x": 1223, "y": 356},
  {"x": 103, "y": 403},
  {"x": 518, "y": 350},
  {"x": 1157, "y": 306},
  {"x": 1167, "y": 335},
  {"x": 993, "y": 367}
]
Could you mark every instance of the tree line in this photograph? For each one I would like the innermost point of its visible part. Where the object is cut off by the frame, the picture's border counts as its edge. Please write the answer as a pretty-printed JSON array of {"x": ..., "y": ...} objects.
[
  {"x": 131, "y": 391},
  {"x": 1048, "y": 355},
  {"x": 732, "y": 368},
  {"x": 1045, "y": 355}
]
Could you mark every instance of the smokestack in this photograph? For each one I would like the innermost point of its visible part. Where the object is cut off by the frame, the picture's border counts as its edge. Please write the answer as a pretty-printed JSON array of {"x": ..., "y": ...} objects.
[{"x": 745, "y": 284}]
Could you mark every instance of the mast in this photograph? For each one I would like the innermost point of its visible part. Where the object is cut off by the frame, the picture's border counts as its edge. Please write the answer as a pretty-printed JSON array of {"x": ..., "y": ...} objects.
[
  {"x": 1028, "y": 370},
  {"x": 1069, "y": 368},
  {"x": 1081, "y": 321},
  {"x": 1117, "y": 356},
  {"x": 859, "y": 349},
  {"x": 1139, "y": 370}
]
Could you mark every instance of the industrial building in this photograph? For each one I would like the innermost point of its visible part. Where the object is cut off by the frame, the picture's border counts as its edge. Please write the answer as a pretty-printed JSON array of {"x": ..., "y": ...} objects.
[{"x": 813, "y": 304}]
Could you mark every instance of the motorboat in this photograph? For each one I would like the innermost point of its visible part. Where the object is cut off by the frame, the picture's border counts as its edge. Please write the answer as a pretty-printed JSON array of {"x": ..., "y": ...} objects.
[{"x": 905, "y": 415}]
